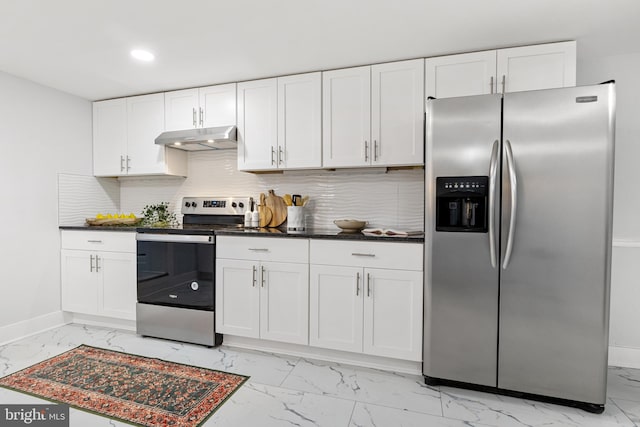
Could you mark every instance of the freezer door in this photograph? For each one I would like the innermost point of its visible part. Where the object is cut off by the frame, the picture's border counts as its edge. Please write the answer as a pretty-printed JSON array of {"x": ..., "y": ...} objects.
[
  {"x": 461, "y": 285},
  {"x": 556, "y": 244}
]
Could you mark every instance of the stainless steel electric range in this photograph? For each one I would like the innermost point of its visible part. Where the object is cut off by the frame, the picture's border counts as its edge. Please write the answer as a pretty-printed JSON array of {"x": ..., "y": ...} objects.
[{"x": 176, "y": 271}]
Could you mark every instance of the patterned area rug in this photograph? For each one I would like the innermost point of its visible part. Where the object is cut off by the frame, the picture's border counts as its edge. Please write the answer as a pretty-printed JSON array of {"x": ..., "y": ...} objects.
[{"x": 134, "y": 389}]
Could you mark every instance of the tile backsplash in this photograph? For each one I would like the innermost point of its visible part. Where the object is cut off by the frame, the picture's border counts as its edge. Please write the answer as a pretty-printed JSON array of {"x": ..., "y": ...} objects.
[
  {"x": 81, "y": 197},
  {"x": 393, "y": 199}
]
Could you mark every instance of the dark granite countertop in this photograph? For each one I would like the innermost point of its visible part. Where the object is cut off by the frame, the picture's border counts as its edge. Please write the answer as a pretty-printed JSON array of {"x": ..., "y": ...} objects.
[
  {"x": 126, "y": 228},
  {"x": 318, "y": 233},
  {"x": 313, "y": 233}
]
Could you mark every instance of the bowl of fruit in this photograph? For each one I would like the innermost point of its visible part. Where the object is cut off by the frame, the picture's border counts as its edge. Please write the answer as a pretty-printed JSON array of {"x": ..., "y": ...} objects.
[{"x": 115, "y": 219}]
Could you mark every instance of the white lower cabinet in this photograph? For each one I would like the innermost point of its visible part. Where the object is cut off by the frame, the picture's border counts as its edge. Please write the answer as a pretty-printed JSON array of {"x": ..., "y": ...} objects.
[
  {"x": 260, "y": 298},
  {"x": 365, "y": 309},
  {"x": 96, "y": 281}
]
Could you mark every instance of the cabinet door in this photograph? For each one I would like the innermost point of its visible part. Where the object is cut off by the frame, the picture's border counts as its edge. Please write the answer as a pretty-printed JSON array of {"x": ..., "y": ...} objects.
[
  {"x": 181, "y": 109},
  {"x": 393, "y": 313},
  {"x": 300, "y": 121},
  {"x": 237, "y": 298},
  {"x": 217, "y": 105},
  {"x": 79, "y": 281},
  {"x": 335, "y": 307},
  {"x": 284, "y": 302},
  {"x": 346, "y": 117},
  {"x": 257, "y": 124},
  {"x": 109, "y": 137},
  {"x": 537, "y": 67},
  {"x": 117, "y": 289},
  {"x": 460, "y": 75},
  {"x": 397, "y": 113},
  {"x": 145, "y": 115}
]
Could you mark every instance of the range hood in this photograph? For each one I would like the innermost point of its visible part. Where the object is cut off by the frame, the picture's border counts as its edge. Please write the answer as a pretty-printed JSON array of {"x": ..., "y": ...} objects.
[{"x": 215, "y": 138}]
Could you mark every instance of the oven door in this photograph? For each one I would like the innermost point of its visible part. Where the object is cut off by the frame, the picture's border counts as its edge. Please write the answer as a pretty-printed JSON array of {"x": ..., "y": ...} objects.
[{"x": 176, "y": 270}]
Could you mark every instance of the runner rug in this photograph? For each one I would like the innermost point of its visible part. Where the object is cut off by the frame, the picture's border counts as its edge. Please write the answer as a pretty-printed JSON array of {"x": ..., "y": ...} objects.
[{"x": 130, "y": 388}]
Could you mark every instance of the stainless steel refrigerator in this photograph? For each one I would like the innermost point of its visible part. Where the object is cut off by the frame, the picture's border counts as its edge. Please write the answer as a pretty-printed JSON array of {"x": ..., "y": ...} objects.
[{"x": 519, "y": 196}]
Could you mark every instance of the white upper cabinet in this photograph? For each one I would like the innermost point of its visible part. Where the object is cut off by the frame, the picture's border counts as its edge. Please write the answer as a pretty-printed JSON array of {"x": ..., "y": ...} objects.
[
  {"x": 300, "y": 121},
  {"x": 504, "y": 70},
  {"x": 461, "y": 75},
  {"x": 279, "y": 123},
  {"x": 145, "y": 122},
  {"x": 397, "y": 113},
  {"x": 258, "y": 124},
  {"x": 124, "y": 134},
  {"x": 374, "y": 115},
  {"x": 346, "y": 117},
  {"x": 201, "y": 107},
  {"x": 537, "y": 67},
  {"x": 109, "y": 137}
]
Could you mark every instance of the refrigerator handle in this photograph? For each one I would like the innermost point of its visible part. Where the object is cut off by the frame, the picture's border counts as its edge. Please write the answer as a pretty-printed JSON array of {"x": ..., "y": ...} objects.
[
  {"x": 493, "y": 173},
  {"x": 513, "y": 186}
]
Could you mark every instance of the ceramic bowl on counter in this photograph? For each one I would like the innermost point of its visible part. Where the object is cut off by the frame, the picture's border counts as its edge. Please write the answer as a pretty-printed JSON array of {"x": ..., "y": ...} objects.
[{"x": 350, "y": 225}]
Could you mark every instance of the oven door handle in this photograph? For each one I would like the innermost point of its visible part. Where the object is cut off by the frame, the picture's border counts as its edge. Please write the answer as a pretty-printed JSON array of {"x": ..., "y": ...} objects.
[{"x": 174, "y": 238}]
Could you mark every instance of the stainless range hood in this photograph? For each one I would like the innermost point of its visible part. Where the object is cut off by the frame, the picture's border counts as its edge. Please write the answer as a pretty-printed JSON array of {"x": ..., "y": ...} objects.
[{"x": 215, "y": 138}]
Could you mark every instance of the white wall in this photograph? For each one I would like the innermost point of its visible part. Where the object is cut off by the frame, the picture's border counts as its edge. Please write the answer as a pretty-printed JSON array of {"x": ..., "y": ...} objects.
[
  {"x": 42, "y": 132},
  {"x": 625, "y": 278}
]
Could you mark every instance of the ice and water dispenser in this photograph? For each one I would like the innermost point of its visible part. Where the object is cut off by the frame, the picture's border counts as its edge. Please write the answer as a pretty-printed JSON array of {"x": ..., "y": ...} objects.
[{"x": 462, "y": 203}]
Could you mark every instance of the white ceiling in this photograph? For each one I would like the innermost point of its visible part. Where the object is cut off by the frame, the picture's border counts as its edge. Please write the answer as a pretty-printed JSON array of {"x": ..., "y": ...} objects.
[{"x": 82, "y": 46}]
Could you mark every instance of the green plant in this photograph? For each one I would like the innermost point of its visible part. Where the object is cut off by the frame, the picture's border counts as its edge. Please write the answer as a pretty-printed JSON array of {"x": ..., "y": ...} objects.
[{"x": 159, "y": 216}]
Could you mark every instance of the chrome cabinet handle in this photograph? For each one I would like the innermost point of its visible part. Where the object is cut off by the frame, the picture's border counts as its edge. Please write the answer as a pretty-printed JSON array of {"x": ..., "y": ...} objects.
[
  {"x": 493, "y": 173},
  {"x": 259, "y": 249},
  {"x": 513, "y": 185},
  {"x": 94, "y": 241},
  {"x": 361, "y": 254},
  {"x": 128, "y": 160},
  {"x": 201, "y": 117},
  {"x": 262, "y": 274},
  {"x": 121, "y": 163},
  {"x": 357, "y": 284},
  {"x": 273, "y": 152},
  {"x": 90, "y": 263},
  {"x": 366, "y": 151},
  {"x": 194, "y": 117},
  {"x": 254, "y": 272},
  {"x": 504, "y": 78},
  {"x": 368, "y": 285},
  {"x": 280, "y": 154},
  {"x": 491, "y": 85},
  {"x": 97, "y": 263},
  {"x": 375, "y": 150}
]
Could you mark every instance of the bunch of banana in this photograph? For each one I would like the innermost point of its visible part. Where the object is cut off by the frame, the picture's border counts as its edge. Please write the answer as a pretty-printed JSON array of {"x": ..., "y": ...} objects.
[{"x": 115, "y": 216}]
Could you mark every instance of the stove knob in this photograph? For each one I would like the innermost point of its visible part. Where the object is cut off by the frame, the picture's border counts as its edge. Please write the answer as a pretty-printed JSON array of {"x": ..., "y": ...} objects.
[
  {"x": 233, "y": 205},
  {"x": 241, "y": 205},
  {"x": 194, "y": 204},
  {"x": 187, "y": 204}
]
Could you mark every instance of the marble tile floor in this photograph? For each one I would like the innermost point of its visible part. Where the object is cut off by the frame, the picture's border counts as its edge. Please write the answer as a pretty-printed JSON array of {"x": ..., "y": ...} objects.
[{"x": 291, "y": 391}]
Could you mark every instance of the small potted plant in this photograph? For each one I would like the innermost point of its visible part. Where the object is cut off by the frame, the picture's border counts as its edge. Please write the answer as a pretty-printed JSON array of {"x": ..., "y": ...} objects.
[{"x": 158, "y": 215}]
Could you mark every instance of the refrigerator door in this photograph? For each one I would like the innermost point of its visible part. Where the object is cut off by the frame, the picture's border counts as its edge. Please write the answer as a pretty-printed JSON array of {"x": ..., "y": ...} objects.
[
  {"x": 556, "y": 244},
  {"x": 461, "y": 285}
]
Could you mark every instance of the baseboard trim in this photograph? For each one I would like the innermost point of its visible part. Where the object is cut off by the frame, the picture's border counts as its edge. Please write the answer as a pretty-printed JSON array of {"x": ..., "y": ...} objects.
[
  {"x": 103, "y": 322},
  {"x": 342, "y": 357},
  {"x": 624, "y": 357},
  {"x": 26, "y": 328},
  {"x": 626, "y": 244}
]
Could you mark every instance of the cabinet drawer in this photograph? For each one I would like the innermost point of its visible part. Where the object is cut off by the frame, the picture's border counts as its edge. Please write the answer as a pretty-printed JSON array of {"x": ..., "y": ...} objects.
[
  {"x": 398, "y": 256},
  {"x": 263, "y": 249},
  {"x": 117, "y": 241}
]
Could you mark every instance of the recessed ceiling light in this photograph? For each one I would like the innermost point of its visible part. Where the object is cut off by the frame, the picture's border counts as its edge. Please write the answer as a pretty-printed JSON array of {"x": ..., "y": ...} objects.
[{"x": 142, "y": 55}]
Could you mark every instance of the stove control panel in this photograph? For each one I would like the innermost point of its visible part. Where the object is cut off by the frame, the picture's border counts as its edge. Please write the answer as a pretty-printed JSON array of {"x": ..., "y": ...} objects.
[{"x": 215, "y": 205}]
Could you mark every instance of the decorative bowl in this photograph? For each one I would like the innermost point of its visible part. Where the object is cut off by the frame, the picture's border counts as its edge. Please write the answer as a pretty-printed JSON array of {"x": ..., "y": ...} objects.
[{"x": 350, "y": 225}]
